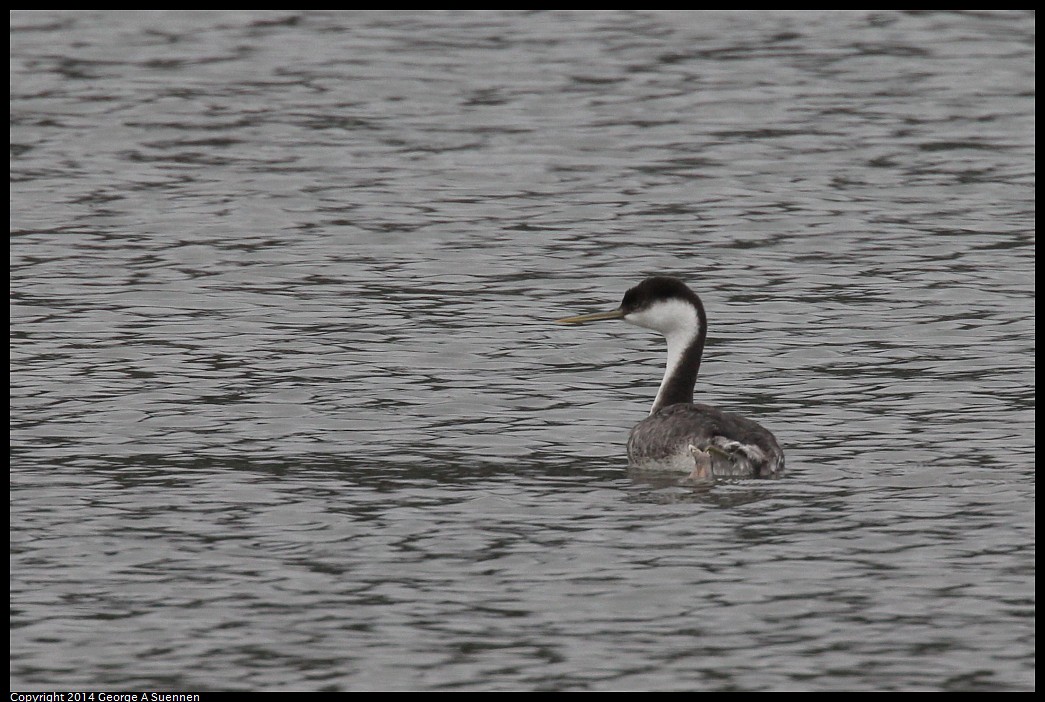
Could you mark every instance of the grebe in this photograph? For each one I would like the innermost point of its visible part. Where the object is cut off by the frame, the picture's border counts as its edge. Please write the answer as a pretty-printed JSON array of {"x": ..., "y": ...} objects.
[{"x": 678, "y": 435}]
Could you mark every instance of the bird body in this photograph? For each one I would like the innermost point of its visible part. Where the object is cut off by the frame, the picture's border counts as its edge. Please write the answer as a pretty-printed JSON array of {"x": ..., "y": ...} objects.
[{"x": 738, "y": 446}]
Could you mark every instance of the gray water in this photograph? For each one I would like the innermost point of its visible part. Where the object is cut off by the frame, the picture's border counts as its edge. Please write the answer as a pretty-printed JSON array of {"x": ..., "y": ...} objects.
[{"x": 288, "y": 411}]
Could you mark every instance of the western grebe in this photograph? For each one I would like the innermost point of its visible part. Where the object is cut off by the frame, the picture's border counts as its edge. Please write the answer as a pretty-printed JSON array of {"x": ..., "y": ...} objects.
[{"x": 678, "y": 435}]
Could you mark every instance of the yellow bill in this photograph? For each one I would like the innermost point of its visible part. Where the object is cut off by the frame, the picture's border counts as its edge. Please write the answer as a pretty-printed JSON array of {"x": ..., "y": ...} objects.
[{"x": 581, "y": 319}]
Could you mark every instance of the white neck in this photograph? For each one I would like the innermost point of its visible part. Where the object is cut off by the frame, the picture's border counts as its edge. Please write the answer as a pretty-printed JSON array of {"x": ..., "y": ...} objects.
[{"x": 678, "y": 322}]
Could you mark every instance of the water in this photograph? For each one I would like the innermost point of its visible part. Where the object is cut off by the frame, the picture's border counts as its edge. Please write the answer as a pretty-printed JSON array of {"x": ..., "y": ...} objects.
[{"x": 287, "y": 411}]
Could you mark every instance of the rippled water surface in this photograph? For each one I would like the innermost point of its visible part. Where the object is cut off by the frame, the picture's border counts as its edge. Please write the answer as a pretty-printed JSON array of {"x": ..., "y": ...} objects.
[{"x": 288, "y": 411}]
